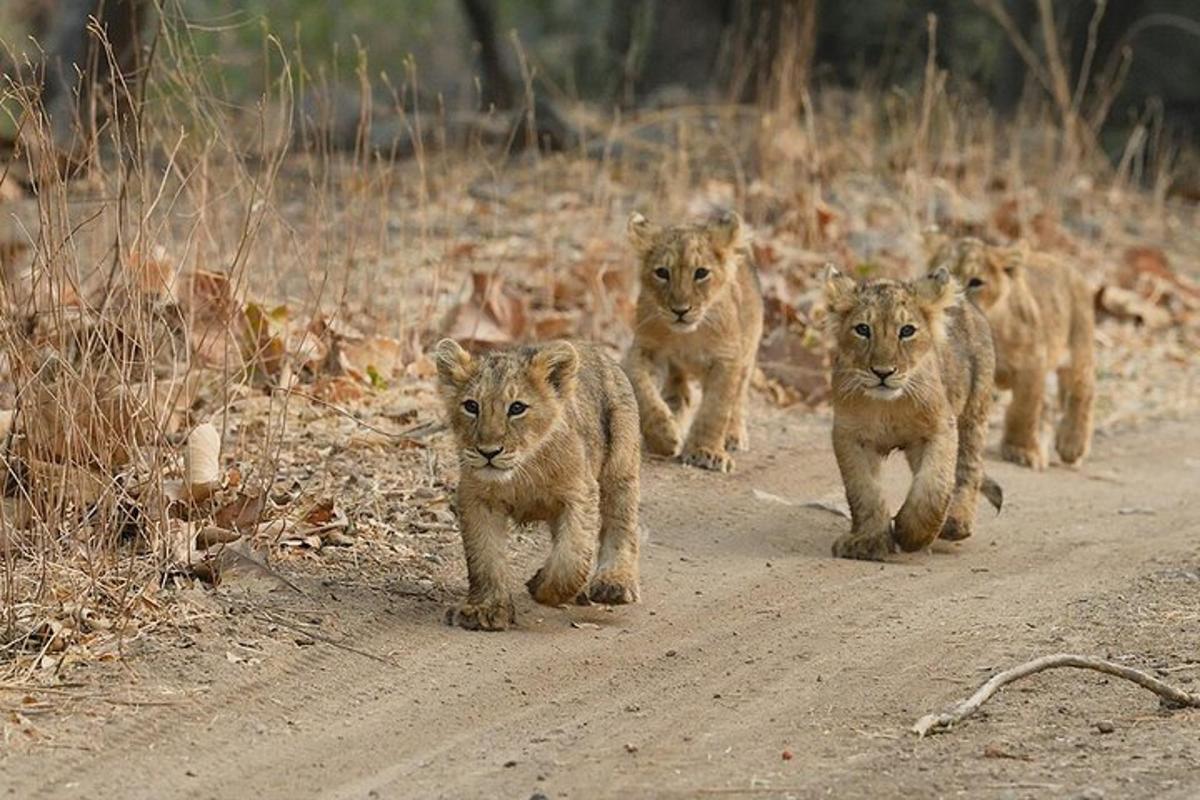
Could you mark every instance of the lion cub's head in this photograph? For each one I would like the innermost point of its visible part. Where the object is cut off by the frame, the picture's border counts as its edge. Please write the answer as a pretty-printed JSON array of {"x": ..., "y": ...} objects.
[
  {"x": 986, "y": 272},
  {"x": 885, "y": 331},
  {"x": 684, "y": 268},
  {"x": 502, "y": 406}
]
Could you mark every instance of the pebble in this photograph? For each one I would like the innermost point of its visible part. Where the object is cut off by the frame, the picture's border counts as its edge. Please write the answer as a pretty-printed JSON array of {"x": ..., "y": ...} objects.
[{"x": 1104, "y": 726}]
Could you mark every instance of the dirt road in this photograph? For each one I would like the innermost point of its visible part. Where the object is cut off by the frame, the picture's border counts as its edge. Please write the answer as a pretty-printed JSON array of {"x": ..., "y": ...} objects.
[{"x": 757, "y": 665}]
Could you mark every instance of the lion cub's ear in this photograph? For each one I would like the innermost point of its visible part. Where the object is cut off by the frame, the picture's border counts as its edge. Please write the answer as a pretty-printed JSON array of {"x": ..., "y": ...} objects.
[
  {"x": 839, "y": 290},
  {"x": 642, "y": 232},
  {"x": 936, "y": 291},
  {"x": 453, "y": 364},
  {"x": 1009, "y": 259},
  {"x": 558, "y": 364},
  {"x": 725, "y": 232}
]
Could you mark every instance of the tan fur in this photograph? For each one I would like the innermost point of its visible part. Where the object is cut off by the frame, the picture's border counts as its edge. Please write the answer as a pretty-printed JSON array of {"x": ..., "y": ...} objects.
[
  {"x": 571, "y": 458},
  {"x": 1041, "y": 316},
  {"x": 927, "y": 393},
  {"x": 714, "y": 342}
]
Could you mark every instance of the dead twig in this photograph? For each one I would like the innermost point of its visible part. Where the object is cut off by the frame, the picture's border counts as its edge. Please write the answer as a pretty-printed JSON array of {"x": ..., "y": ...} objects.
[
  {"x": 326, "y": 639},
  {"x": 935, "y": 723}
]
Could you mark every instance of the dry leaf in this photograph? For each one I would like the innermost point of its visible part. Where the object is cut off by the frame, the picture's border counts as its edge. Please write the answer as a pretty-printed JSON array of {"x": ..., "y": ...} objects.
[
  {"x": 216, "y": 323},
  {"x": 242, "y": 514},
  {"x": 211, "y": 535},
  {"x": 489, "y": 316}
]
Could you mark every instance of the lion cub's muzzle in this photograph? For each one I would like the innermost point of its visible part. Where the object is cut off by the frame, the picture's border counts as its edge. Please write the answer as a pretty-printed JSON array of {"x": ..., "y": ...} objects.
[
  {"x": 490, "y": 461},
  {"x": 886, "y": 383},
  {"x": 684, "y": 318}
]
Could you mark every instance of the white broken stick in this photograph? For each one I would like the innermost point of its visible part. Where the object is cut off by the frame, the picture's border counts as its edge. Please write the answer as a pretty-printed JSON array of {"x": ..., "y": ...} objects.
[{"x": 935, "y": 723}]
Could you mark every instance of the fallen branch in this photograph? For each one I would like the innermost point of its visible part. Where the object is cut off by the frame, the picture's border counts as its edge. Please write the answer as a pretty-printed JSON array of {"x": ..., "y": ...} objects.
[{"x": 1172, "y": 697}]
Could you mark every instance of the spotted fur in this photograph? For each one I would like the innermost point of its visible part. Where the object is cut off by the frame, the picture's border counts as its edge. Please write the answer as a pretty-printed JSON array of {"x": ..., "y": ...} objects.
[
  {"x": 545, "y": 433},
  {"x": 912, "y": 371},
  {"x": 699, "y": 318},
  {"x": 1041, "y": 317}
]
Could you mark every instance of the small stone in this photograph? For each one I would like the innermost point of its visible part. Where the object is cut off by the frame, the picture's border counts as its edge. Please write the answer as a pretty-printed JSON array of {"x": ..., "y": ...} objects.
[
  {"x": 509, "y": 764},
  {"x": 788, "y": 755},
  {"x": 670, "y": 654},
  {"x": 1105, "y": 726},
  {"x": 630, "y": 747}
]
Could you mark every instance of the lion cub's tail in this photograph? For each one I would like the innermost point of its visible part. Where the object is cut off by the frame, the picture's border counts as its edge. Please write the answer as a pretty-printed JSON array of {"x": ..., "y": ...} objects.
[{"x": 992, "y": 491}]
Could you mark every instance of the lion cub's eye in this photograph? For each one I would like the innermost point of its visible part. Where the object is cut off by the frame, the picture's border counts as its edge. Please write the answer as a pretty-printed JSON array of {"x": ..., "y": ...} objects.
[
  {"x": 662, "y": 273},
  {"x": 517, "y": 409},
  {"x": 863, "y": 330},
  {"x": 974, "y": 283},
  {"x": 471, "y": 407},
  {"x": 907, "y": 331},
  {"x": 701, "y": 274}
]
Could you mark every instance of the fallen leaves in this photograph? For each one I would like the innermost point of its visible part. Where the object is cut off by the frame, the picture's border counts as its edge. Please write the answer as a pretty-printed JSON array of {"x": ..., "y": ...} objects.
[{"x": 488, "y": 315}]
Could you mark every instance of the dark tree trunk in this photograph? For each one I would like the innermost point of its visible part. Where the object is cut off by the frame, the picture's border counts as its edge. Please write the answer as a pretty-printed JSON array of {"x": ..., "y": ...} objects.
[
  {"x": 87, "y": 83},
  {"x": 497, "y": 87},
  {"x": 501, "y": 90}
]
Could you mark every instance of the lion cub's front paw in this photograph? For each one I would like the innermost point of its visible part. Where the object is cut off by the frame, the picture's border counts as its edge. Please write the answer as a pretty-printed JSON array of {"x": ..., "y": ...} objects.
[
  {"x": 955, "y": 530},
  {"x": 738, "y": 441},
  {"x": 868, "y": 547},
  {"x": 613, "y": 590},
  {"x": 662, "y": 438},
  {"x": 495, "y": 616},
  {"x": 1071, "y": 444},
  {"x": 1026, "y": 456},
  {"x": 707, "y": 458},
  {"x": 551, "y": 591}
]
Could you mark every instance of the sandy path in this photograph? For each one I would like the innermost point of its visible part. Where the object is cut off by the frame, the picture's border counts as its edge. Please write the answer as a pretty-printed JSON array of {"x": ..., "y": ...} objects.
[{"x": 751, "y": 641}]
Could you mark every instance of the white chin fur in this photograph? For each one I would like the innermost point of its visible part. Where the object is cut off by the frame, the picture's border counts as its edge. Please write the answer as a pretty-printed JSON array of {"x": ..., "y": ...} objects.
[
  {"x": 883, "y": 392},
  {"x": 494, "y": 474}
]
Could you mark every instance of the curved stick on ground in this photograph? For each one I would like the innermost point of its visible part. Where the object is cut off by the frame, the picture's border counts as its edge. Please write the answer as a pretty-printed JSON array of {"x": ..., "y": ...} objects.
[{"x": 936, "y": 723}]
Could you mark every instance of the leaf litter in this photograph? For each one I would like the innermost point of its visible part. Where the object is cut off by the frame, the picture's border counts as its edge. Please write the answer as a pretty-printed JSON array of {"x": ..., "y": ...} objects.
[{"x": 280, "y": 441}]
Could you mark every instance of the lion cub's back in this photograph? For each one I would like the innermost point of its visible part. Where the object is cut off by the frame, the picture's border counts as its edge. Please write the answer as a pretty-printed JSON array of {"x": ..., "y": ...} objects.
[
  {"x": 1060, "y": 292},
  {"x": 605, "y": 411},
  {"x": 968, "y": 354}
]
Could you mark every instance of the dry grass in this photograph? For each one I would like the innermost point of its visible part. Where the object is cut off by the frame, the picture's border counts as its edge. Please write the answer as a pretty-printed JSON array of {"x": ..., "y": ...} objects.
[{"x": 198, "y": 267}]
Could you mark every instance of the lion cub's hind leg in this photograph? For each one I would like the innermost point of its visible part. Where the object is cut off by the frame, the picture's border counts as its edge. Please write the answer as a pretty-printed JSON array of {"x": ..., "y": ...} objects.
[
  {"x": 1023, "y": 420},
  {"x": 616, "y": 578},
  {"x": 968, "y": 470},
  {"x": 1077, "y": 393},
  {"x": 737, "y": 437}
]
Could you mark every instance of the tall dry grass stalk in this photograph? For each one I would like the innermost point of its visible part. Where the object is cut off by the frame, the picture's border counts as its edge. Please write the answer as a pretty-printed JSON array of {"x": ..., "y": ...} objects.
[{"x": 122, "y": 330}]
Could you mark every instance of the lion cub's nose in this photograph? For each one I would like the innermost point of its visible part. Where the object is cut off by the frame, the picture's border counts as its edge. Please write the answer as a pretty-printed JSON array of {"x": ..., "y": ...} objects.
[
  {"x": 491, "y": 453},
  {"x": 680, "y": 312},
  {"x": 883, "y": 373}
]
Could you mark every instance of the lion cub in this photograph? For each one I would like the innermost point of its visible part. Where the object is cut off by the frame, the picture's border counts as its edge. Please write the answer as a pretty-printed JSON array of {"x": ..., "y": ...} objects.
[
  {"x": 1040, "y": 311},
  {"x": 545, "y": 433},
  {"x": 912, "y": 371},
  {"x": 699, "y": 316}
]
